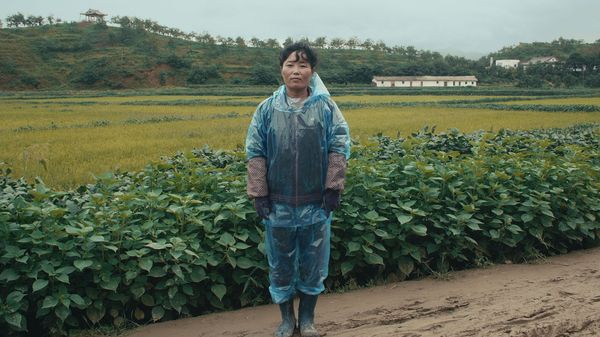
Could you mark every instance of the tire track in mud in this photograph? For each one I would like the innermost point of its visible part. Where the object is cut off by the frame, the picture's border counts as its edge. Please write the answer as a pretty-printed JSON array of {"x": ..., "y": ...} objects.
[
  {"x": 382, "y": 316},
  {"x": 564, "y": 302},
  {"x": 566, "y": 309}
]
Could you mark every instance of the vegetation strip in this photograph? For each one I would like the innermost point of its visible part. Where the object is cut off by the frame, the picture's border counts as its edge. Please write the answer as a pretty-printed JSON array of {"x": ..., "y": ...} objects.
[
  {"x": 464, "y": 105},
  {"x": 180, "y": 237},
  {"x": 151, "y": 120}
]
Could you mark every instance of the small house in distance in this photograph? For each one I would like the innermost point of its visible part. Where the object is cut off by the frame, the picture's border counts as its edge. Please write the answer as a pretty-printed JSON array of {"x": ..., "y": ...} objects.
[{"x": 424, "y": 81}]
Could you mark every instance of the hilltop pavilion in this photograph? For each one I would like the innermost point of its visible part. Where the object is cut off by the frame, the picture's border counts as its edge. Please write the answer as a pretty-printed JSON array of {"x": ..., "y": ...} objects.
[{"x": 94, "y": 15}]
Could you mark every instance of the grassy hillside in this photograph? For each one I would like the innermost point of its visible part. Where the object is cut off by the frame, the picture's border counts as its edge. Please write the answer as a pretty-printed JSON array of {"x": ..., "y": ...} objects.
[
  {"x": 561, "y": 48},
  {"x": 95, "y": 56},
  {"x": 91, "y": 56}
]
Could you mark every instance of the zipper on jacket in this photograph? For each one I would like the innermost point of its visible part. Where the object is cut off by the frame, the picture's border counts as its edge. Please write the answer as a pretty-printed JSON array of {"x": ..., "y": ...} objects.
[{"x": 295, "y": 124}]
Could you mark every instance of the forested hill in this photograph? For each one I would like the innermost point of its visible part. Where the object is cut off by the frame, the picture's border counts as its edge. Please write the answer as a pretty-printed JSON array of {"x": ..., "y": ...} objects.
[
  {"x": 98, "y": 56},
  {"x": 568, "y": 50}
]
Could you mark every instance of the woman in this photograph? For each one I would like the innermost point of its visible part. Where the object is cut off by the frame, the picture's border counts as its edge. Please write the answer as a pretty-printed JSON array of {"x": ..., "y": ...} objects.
[{"x": 297, "y": 147}]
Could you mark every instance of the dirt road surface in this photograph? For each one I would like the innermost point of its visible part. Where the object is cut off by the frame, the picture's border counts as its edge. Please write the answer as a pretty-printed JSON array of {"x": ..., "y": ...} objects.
[{"x": 558, "y": 296}]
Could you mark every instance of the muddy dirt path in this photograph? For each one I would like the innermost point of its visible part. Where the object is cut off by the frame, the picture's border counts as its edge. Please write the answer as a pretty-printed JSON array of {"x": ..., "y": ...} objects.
[{"x": 559, "y": 296}]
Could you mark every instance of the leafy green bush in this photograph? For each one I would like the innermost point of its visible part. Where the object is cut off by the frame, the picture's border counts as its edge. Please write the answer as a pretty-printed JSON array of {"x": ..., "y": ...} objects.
[
  {"x": 180, "y": 237},
  {"x": 204, "y": 74},
  {"x": 176, "y": 62},
  {"x": 29, "y": 80},
  {"x": 94, "y": 71},
  {"x": 265, "y": 75}
]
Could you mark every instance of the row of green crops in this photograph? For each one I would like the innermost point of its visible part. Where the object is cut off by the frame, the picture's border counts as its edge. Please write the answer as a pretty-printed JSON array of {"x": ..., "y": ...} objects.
[
  {"x": 180, "y": 237},
  {"x": 532, "y": 107},
  {"x": 138, "y": 121},
  {"x": 475, "y": 105},
  {"x": 262, "y": 91}
]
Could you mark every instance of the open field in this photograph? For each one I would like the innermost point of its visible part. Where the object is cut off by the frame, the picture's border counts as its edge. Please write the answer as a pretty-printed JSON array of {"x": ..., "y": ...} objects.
[
  {"x": 67, "y": 140},
  {"x": 182, "y": 239}
]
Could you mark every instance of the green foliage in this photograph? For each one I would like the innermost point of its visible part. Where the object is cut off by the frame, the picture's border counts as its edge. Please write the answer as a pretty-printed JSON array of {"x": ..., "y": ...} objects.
[
  {"x": 8, "y": 68},
  {"x": 529, "y": 81},
  {"x": 176, "y": 61},
  {"x": 560, "y": 47},
  {"x": 16, "y": 20},
  {"x": 29, "y": 81},
  {"x": 180, "y": 237},
  {"x": 202, "y": 75},
  {"x": 46, "y": 46},
  {"x": 94, "y": 71},
  {"x": 264, "y": 75},
  {"x": 593, "y": 81},
  {"x": 101, "y": 72},
  {"x": 484, "y": 103}
]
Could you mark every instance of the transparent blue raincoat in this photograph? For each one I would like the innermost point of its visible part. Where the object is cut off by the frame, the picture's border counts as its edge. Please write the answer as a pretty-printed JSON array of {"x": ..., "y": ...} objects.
[{"x": 296, "y": 143}]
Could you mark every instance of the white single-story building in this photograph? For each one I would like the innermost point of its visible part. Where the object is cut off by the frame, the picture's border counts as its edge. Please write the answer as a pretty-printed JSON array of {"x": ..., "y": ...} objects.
[
  {"x": 424, "y": 81},
  {"x": 508, "y": 64}
]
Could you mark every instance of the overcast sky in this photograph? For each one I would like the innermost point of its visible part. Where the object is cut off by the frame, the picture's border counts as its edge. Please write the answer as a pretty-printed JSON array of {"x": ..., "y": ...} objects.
[{"x": 458, "y": 27}]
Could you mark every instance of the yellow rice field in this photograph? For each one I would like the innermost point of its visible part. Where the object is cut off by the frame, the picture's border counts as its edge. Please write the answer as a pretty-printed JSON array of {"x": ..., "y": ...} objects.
[{"x": 66, "y": 141}]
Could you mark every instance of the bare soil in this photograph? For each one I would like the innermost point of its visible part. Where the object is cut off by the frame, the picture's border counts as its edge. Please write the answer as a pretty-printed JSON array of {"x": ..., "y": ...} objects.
[{"x": 558, "y": 296}]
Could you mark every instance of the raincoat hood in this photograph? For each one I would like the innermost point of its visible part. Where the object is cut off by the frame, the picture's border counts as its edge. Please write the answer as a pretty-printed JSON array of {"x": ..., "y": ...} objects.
[{"x": 317, "y": 88}]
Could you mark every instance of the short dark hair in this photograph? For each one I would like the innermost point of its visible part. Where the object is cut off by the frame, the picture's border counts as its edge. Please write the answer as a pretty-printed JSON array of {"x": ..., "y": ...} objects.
[{"x": 299, "y": 48}]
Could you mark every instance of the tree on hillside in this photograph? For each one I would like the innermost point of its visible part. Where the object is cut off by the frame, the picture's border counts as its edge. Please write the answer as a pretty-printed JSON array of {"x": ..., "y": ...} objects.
[
  {"x": 411, "y": 52},
  {"x": 352, "y": 42},
  {"x": 381, "y": 46},
  {"x": 33, "y": 20},
  {"x": 304, "y": 40},
  {"x": 240, "y": 42},
  {"x": 320, "y": 42},
  {"x": 122, "y": 21},
  {"x": 206, "y": 39},
  {"x": 15, "y": 20},
  {"x": 256, "y": 42},
  {"x": 288, "y": 42},
  {"x": 576, "y": 62},
  {"x": 567, "y": 45},
  {"x": 201, "y": 75},
  {"x": 224, "y": 41},
  {"x": 367, "y": 44},
  {"x": 336, "y": 43},
  {"x": 94, "y": 71},
  {"x": 272, "y": 43},
  {"x": 261, "y": 74}
]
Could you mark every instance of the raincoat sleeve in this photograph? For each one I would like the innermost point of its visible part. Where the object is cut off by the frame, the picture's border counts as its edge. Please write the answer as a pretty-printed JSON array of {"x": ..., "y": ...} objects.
[
  {"x": 257, "y": 155},
  {"x": 338, "y": 136},
  {"x": 256, "y": 138}
]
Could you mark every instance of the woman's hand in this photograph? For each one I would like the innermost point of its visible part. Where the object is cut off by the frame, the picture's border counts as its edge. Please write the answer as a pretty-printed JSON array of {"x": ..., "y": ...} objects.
[
  {"x": 262, "y": 206},
  {"x": 331, "y": 200}
]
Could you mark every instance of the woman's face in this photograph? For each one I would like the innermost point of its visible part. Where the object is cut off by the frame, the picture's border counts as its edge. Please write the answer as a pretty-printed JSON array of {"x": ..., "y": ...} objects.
[{"x": 296, "y": 72}]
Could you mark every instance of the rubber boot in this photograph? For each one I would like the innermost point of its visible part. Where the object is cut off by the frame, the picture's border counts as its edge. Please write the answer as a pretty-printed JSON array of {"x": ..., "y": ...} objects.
[
  {"x": 288, "y": 320},
  {"x": 306, "y": 315}
]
